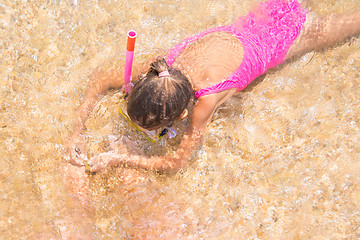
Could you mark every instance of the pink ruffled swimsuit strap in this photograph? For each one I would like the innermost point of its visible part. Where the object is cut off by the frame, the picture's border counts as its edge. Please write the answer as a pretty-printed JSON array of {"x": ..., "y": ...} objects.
[{"x": 266, "y": 35}]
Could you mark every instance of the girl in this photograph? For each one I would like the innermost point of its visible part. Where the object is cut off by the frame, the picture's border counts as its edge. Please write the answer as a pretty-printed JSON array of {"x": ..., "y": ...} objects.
[{"x": 209, "y": 67}]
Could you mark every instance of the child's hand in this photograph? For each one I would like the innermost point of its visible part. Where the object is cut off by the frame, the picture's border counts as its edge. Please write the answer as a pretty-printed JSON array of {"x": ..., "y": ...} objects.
[
  {"x": 103, "y": 160},
  {"x": 75, "y": 151},
  {"x": 98, "y": 164},
  {"x": 115, "y": 157}
]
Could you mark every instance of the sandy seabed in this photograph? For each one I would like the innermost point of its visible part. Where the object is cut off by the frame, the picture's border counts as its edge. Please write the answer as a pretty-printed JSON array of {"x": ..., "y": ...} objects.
[{"x": 280, "y": 160}]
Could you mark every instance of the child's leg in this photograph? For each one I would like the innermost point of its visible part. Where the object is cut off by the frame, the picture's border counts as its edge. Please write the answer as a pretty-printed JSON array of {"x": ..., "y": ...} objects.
[{"x": 319, "y": 33}]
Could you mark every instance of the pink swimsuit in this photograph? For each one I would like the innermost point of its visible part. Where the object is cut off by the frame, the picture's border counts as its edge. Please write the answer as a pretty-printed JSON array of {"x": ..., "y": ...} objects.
[{"x": 266, "y": 36}]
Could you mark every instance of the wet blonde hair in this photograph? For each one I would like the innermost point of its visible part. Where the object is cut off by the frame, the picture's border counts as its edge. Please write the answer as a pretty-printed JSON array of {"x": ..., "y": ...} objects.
[{"x": 158, "y": 101}]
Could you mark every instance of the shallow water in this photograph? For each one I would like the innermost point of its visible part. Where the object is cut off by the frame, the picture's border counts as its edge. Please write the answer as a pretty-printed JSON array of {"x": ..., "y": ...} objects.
[{"x": 279, "y": 161}]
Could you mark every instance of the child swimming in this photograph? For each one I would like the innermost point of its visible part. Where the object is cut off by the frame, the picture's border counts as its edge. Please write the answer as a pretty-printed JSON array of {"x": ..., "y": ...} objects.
[{"x": 210, "y": 67}]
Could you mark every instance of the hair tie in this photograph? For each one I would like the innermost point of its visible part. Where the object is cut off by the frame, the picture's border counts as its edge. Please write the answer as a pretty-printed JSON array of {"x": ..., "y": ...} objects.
[{"x": 164, "y": 74}]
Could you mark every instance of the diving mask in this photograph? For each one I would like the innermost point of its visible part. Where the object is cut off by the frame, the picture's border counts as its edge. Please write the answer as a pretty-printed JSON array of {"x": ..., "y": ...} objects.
[{"x": 151, "y": 135}]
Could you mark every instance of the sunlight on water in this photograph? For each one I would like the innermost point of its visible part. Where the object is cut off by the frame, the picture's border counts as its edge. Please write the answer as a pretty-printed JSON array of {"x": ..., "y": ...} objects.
[{"x": 279, "y": 161}]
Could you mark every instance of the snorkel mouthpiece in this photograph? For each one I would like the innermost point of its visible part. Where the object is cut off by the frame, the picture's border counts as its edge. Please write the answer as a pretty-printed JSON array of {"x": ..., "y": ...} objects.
[
  {"x": 157, "y": 134},
  {"x": 169, "y": 131},
  {"x": 172, "y": 132}
]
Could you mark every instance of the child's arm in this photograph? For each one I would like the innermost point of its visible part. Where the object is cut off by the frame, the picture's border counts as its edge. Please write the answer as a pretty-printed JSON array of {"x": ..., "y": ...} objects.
[
  {"x": 201, "y": 116},
  {"x": 102, "y": 79}
]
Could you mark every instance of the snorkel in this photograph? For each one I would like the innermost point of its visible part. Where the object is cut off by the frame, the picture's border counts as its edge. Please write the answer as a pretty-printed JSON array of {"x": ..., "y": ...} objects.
[
  {"x": 130, "y": 47},
  {"x": 152, "y": 136}
]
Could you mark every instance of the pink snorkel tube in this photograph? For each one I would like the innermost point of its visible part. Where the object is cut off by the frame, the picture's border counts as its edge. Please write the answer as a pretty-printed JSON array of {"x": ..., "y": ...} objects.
[{"x": 130, "y": 46}]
